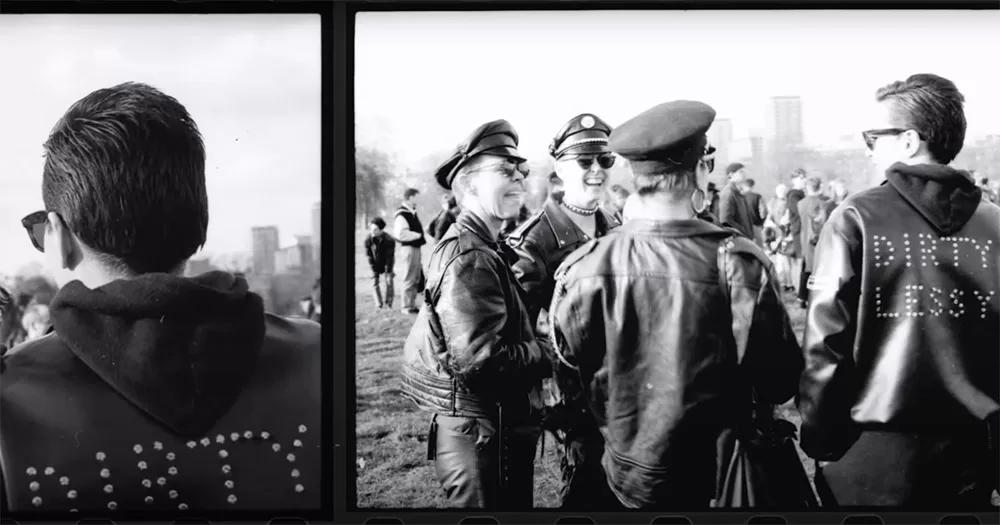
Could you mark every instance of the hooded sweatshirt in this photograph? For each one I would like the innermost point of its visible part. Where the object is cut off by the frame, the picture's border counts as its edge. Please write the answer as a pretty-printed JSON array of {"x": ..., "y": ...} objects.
[{"x": 147, "y": 390}]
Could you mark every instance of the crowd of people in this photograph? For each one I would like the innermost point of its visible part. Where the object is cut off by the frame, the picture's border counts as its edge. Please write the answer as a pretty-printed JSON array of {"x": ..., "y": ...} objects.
[
  {"x": 646, "y": 330},
  {"x": 147, "y": 390}
]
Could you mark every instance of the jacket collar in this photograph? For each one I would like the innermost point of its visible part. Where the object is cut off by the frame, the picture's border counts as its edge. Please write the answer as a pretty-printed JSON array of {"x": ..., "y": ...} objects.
[
  {"x": 566, "y": 231},
  {"x": 675, "y": 228},
  {"x": 472, "y": 223}
]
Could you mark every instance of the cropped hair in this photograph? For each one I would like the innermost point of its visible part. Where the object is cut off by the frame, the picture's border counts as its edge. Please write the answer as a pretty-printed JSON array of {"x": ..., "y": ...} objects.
[
  {"x": 125, "y": 169},
  {"x": 932, "y": 106},
  {"x": 377, "y": 221},
  {"x": 410, "y": 192},
  {"x": 814, "y": 184},
  {"x": 749, "y": 183}
]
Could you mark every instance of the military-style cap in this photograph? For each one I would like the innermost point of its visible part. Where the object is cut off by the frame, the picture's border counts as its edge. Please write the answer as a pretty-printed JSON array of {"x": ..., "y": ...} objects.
[
  {"x": 493, "y": 138},
  {"x": 584, "y": 133},
  {"x": 664, "y": 137}
]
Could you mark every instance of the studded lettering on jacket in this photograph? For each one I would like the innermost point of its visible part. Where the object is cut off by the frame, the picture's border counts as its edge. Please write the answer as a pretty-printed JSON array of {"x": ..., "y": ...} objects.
[{"x": 158, "y": 467}]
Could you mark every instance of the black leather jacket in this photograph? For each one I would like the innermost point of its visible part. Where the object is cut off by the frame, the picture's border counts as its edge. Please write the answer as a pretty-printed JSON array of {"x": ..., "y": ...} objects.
[
  {"x": 902, "y": 324},
  {"x": 662, "y": 356},
  {"x": 474, "y": 348},
  {"x": 542, "y": 243}
]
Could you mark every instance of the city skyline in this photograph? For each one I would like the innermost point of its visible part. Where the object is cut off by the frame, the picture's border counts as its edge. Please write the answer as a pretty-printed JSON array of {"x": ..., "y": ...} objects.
[
  {"x": 252, "y": 83},
  {"x": 411, "y": 100}
]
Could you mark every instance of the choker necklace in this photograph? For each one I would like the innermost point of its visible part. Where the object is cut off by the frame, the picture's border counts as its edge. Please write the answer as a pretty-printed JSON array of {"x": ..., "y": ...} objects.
[{"x": 579, "y": 211}]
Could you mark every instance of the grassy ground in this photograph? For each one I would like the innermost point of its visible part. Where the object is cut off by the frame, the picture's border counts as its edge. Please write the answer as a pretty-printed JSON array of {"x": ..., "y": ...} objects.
[{"x": 391, "y": 434}]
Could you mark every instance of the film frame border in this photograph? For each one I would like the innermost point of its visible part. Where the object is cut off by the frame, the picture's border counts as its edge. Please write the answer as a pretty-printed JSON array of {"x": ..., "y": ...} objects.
[{"x": 387, "y": 516}]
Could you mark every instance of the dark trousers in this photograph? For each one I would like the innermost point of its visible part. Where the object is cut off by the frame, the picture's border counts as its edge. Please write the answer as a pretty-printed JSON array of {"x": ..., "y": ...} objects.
[
  {"x": 585, "y": 484},
  {"x": 469, "y": 461},
  {"x": 804, "y": 283},
  {"x": 911, "y": 470}
]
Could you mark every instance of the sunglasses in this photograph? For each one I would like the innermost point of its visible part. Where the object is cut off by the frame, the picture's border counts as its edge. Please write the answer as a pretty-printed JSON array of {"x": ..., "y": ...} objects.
[
  {"x": 872, "y": 135},
  {"x": 509, "y": 167},
  {"x": 586, "y": 162},
  {"x": 35, "y": 224}
]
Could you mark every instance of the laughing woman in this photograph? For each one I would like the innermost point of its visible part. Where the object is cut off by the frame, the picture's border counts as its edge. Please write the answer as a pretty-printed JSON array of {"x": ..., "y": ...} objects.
[{"x": 582, "y": 158}]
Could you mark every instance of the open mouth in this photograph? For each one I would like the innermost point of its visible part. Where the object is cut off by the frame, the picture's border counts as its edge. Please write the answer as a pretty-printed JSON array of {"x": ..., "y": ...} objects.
[{"x": 593, "y": 182}]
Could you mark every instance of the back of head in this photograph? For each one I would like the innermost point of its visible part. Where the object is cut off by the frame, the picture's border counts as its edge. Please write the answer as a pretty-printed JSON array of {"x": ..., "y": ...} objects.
[
  {"x": 125, "y": 169},
  {"x": 814, "y": 185},
  {"x": 932, "y": 106}
]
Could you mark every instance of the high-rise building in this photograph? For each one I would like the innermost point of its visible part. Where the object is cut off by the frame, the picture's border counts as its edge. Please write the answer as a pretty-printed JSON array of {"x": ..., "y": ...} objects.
[
  {"x": 295, "y": 259},
  {"x": 757, "y": 149},
  {"x": 317, "y": 221},
  {"x": 784, "y": 119},
  {"x": 720, "y": 135},
  {"x": 265, "y": 245}
]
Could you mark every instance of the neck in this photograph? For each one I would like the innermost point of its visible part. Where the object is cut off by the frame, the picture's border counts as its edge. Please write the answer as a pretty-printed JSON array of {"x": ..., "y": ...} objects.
[
  {"x": 586, "y": 203},
  {"x": 493, "y": 224},
  {"x": 94, "y": 277},
  {"x": 657, "y": 208}
]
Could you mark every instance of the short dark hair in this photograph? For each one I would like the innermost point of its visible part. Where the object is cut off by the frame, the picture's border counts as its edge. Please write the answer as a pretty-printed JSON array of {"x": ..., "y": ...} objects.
[
  {"x": 377, "y": 221},
  {"x": 451, "y": 201},
  {"x": 733, "y": 168},
  {"x": 814, "y": 183},
  {"x": 749, "y": 182},
  {"x": 410, "y": 192},
  {"x": 125, "y": 169},
  {"x": 932, "y": 106}
]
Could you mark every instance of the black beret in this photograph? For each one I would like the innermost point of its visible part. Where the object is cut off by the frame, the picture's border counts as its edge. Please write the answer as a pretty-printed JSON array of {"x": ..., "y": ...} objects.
[
  {"x": 664, "y": 136},
  {"x": 584, "y": 133},
  {"x": 493, "y": 138}
]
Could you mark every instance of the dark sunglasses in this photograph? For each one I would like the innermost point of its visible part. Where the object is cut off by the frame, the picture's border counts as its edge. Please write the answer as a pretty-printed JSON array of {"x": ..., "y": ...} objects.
[
  {"x": 509, "y": 167},
  {"x": 871, "y": 135},
  {"x": 605, "y": 161},
  {"x": 35, "y": 224}
]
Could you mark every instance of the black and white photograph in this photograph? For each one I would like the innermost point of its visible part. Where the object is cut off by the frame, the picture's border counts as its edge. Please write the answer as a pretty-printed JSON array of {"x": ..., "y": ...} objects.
[
  {"x": 160, "y": 264},
  {"x": 676, "y": 260}
]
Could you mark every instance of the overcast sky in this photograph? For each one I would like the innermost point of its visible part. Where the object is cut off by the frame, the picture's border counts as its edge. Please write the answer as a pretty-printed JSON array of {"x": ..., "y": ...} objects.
[
  {"x": 425, "y": 80},
  {"x": 251, "y": 82}
]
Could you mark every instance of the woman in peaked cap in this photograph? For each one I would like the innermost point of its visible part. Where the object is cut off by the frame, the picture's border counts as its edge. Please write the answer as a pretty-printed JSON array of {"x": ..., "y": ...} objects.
[
  {"x": 479, "y": 379},
  {"x": 659, "y": 372},
  {"x": 566, "y": 222}
]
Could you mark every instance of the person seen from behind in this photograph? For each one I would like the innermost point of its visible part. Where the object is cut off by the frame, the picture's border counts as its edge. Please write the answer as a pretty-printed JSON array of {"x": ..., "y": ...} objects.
[
  {"x": 812, "y": 210},
  {"x": 146, "y": 368},
  {"x": 899, "y": 396},
  {"x": 445, "y": 218},
  {"x": 381, "y": 252},
  {"x": 617, "y": 195},
  {"x": 734, "y": 211},
  {"x": 757, "y": 208}
]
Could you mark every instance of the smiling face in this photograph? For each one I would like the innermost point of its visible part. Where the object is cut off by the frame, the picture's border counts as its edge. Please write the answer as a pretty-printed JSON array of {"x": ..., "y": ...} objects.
[
  {"x": 585, "y": 177},
  {"x": 497, "y": 186}
]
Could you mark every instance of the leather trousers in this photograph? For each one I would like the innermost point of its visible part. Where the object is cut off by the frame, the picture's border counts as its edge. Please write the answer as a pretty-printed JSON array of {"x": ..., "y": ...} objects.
[
  {"x": 476, "y": 470},
  {"x": 585, "y": 484}
]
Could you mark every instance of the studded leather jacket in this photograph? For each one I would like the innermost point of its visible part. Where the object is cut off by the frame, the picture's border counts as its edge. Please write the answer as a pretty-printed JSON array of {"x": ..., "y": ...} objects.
[
  {"x": 472, "y": 348},
  {"x": 542, "y": 243},
  {"x": 662, "y": 357},
  {"x": 901, "y": 331},
  {"x": 195, "y": 401}
]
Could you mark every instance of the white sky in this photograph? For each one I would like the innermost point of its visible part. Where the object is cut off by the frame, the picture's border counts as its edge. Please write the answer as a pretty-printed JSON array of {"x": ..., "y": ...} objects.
[
  {"x": 255, "y": 78},
  {"x": 425, "y": 80}
]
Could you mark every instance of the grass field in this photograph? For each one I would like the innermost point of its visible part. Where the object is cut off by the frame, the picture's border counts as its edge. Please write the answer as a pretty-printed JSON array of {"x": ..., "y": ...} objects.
[{"x": 391, "y": 434}]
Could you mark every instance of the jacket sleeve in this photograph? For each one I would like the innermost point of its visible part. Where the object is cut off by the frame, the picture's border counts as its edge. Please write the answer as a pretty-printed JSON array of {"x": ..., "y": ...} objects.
[
  {"x": 771, "y": 356},
  {"x": 473, "y": 314},
  {"x": 577, "y": 357},
  {"x": 432, "y": 227},
  {"x": 826, "y": 389},
  {"x": 368, "y": 251},
  {"x": 532, "y": 272},
  {"x": 728, "y": 209}
]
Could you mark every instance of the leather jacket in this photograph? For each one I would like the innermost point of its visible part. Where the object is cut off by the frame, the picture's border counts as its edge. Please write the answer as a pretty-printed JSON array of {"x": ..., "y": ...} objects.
[
  {"x": 901, "y": 329},
  {"x": 662, "y": 356},
  {"x": 167, "y": 415},
  {"x": 472, "y": 346},
  {"x": 542, "y": 243}
]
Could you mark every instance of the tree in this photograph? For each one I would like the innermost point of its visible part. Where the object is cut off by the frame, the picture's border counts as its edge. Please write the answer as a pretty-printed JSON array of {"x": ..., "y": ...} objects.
[{"x": 373, "y": 168}]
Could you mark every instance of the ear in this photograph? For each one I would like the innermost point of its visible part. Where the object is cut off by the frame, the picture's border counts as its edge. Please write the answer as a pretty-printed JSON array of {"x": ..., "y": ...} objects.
[
  {"x": 63, "y": 244},
  {"x": 912, "y": 144}
]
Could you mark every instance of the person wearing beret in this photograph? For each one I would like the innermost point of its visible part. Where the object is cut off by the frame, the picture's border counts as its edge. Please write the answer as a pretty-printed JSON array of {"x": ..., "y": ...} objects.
[
  {"x": 471, "y": 359},
  {"x": 582, "y": 158},
  {"x": 733, "y": 209},
  {"x": 667, "y": 322}
]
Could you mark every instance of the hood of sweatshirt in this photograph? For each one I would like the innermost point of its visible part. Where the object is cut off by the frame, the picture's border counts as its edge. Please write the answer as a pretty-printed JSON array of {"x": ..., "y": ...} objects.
[
  {"x": 180, "y": 349},
  {"x": 945, "y": 197}
]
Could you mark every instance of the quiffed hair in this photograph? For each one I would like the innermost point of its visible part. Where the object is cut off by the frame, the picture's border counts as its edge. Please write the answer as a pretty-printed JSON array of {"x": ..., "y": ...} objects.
[
  {"x": 410, "y": 192},
  {"x": 377, "y": 221},
  {"x": 932, "y": 106},
  {"x": 125, "y": 169},
  {"x": 733, "y": 168}
]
